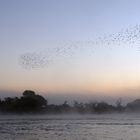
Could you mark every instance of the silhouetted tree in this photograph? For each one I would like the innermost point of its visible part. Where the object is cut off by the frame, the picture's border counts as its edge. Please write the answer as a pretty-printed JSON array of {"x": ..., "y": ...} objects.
[
  {"x": 32, "y": 102},
  {"x": 65, "y": 107},
  {"x": 29, "y": 102},
  {"x": 90, "y": 107},
  {"x": 102, "y": 107},
  {"x": 134, "y": 106},
  {"x": 119, "y": 106},
  {"x": 78, "y": 107},
  {"x": 28, "y": 93}
]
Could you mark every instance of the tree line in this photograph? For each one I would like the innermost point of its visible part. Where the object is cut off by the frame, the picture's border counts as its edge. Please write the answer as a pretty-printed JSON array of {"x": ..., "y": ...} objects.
[{"x": 30, "y": 102}]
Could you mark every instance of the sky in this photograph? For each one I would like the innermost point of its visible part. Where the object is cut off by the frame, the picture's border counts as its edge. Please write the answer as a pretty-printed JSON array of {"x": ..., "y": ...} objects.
[{"x": 70, "y": 48}]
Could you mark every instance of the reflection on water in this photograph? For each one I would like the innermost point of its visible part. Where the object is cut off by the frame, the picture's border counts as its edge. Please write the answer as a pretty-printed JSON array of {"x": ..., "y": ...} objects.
[{"x": 73, "y": 127}]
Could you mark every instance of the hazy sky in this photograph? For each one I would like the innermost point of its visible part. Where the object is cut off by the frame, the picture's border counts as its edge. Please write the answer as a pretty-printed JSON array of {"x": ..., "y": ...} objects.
[{"x": 71, "y": 47}]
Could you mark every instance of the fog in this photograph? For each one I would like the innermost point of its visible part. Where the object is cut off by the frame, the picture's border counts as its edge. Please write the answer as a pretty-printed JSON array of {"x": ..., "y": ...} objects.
[{"x": 70, "y": 127}]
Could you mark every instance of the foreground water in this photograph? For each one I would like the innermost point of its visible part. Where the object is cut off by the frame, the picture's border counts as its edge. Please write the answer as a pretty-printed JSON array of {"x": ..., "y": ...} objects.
[{"x": 70, "y": 127}]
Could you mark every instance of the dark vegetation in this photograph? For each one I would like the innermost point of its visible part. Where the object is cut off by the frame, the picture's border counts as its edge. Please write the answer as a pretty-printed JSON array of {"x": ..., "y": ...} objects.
[{"x": 30, "y": 102}]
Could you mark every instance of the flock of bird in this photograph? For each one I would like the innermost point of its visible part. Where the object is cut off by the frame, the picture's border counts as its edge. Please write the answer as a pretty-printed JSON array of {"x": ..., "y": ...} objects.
[
  {"x": 129, "y": 37},
  {"x": 33, "y": 60}
]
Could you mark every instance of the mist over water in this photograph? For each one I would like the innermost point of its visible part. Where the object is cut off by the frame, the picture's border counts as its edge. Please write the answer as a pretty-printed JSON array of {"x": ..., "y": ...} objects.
[{"x": 70, "y": 127}]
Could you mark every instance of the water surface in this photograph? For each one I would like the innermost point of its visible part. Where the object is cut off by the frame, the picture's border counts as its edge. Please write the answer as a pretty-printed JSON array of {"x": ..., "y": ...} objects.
[{"x": 70, "y": 127}]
